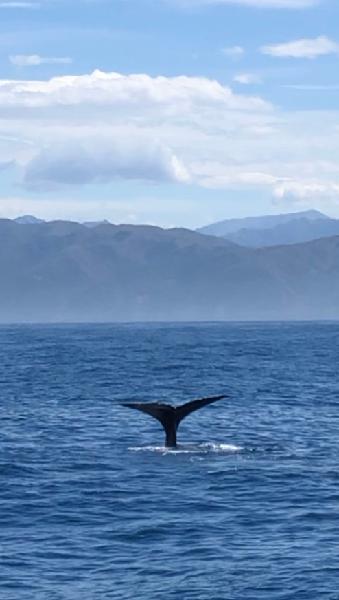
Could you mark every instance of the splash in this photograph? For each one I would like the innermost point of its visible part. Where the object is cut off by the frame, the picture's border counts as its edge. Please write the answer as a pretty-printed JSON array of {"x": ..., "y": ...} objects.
[{"x": 206, "y": 448}]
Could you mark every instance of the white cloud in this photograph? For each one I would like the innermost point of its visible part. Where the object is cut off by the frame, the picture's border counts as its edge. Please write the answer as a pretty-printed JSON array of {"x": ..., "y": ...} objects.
[
  {"x": 101, "y": 127},
  {"x": 98, "y": 127},
  {"x": 19, "y": 5},
  {"x": 33, "y": 60},
  {"x": 233, "y": 51},
  {"x": 247, "y": 78},
  {"x": 252, "y": 176},
  {"x": 125, "y": 92},
  {"x": 303, "y": 48},
  {"x": 236, "y": 178},
  {"x": 303, "y": 189},
  {"x": 85, "y": 163}
]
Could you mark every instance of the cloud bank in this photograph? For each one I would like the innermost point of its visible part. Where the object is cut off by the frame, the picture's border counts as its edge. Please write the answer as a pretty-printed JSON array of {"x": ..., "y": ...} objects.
[
  {"x": 83, "y": 163},
  {"x": 101, "y": 127},
  {"x": 122, "y": 91}
]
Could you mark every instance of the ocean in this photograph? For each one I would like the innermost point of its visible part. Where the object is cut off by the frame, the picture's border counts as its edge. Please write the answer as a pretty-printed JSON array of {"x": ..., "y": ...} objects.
[{"x": 93, "y": 507}]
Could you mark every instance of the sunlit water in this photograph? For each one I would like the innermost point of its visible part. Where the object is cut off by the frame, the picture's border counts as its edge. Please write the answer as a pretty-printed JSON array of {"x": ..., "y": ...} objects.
[{"x": 92, "y": 506}]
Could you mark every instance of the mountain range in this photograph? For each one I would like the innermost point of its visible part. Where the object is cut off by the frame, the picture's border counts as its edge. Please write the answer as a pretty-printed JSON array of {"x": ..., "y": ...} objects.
[
  {"x": 64, "y": 271},
  {"x": 273, "y": 230},
  {"x": 255, "y": 232}
]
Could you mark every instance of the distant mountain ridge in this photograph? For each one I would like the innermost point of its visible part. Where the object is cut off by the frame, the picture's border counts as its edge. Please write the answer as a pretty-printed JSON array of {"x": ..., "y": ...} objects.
[
  {"x": 274, "y": 230},
  {"x": 220, "y": 228},
  {"x": 31, "y": 220},
  {"x": 63, "y": 271},
  {"x": 28, "y": 220},
  {"x": 227, "y": 226},
  {"x": 253, "y": 232}
]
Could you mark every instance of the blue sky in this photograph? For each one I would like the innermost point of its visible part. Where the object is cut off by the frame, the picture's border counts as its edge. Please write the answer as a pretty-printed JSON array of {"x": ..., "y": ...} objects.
[{"x": 172, "y": 112}]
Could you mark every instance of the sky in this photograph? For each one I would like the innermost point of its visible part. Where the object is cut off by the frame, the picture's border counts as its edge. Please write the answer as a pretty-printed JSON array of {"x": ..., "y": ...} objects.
[{"x": 168, "y": 112}]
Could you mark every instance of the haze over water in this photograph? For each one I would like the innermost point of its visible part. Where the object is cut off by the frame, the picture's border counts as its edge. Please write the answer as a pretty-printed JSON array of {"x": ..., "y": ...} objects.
[{"x": 93, "y": 507}]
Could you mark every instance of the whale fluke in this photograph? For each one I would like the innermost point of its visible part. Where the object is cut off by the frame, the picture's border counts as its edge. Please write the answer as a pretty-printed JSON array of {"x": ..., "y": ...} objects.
[{"x": 170, "y": 416}]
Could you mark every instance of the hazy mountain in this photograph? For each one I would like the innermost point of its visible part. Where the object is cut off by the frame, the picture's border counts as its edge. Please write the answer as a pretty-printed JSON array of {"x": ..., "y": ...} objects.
[
  {"x": 63, "y": 271},
  {"x": 28, "y": 220},
  {"x": 292, "y": 232},
  {"x": 254, "y": 232},
  {"x": 223, "y": 228},
  {"x": 31, "y": 220},
  {"x": 275, "y": 230}
]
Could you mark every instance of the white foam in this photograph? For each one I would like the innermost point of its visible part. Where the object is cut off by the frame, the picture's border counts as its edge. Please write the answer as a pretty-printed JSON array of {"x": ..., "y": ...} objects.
[
  {"x": 206, "y": 448},
  {"x": 224, "y": 447}
]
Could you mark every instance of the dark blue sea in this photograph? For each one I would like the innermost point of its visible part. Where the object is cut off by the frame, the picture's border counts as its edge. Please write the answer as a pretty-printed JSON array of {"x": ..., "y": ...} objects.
[{"x": 93, "y": 507}]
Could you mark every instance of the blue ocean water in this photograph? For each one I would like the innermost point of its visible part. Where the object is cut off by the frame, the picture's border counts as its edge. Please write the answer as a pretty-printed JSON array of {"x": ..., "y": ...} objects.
[{"x": 92, "y": 506}]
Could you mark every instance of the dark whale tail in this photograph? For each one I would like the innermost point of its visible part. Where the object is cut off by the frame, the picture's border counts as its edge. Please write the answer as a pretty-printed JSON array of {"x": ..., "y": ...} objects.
[{"x": 170, "y": 416}]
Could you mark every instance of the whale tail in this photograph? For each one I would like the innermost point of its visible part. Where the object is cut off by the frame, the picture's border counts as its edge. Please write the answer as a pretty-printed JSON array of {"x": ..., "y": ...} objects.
[{"x": 170, "y": 416}]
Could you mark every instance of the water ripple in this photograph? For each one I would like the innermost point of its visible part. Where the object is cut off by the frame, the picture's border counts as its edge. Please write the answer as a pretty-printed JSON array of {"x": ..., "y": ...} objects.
[{"x": 93, "y": 506}]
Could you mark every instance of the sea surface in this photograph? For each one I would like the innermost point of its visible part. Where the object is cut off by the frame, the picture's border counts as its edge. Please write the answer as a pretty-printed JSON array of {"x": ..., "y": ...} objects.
[{"x": 93, "y": 507}]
